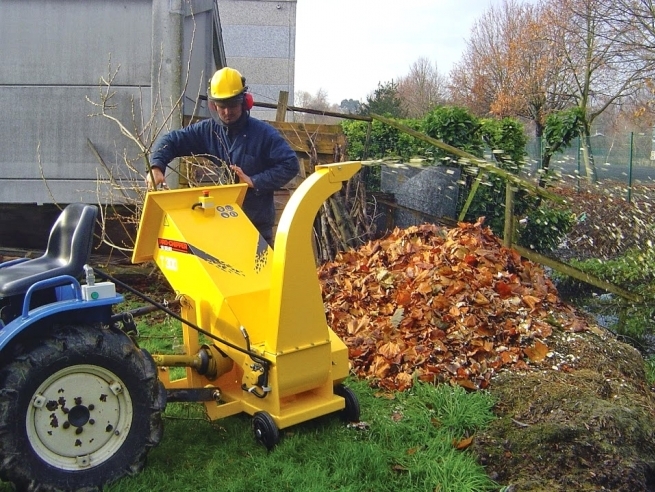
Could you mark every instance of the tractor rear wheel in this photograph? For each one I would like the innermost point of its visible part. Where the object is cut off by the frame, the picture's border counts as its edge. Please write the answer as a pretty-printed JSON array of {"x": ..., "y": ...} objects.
[{"x": 79, "y": 408}]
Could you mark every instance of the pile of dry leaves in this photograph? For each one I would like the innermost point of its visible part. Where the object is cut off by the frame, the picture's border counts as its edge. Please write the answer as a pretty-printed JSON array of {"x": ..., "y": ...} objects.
[{"x": 441, "y": 304}]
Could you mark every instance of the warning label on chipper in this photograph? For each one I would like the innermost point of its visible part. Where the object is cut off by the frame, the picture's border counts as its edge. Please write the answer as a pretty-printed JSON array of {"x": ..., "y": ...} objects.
[{"x": 172, "y": 245}]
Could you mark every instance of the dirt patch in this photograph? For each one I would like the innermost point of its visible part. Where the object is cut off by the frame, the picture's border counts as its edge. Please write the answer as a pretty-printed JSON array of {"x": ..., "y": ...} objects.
[
  {"x": 574, "y": 409},
  {"x": 582, "y": 420}
]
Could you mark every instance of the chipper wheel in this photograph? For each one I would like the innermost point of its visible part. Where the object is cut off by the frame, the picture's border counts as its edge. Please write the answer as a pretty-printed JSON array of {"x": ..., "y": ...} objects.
[
  {"x": 265, "y": 430},
  {"x": 351, "y": 411},
  {"x": 79, "y": 408}
]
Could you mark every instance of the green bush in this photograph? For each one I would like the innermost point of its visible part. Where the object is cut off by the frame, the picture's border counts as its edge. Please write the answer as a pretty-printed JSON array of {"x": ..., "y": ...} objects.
[
  {"x": 506, "y": 140},
  {"x": 355, "y": 132},
  {"x": 453, "y": 126},
  {"x": 456, "y": 126},
  {"x": 386, "y": 141},
  {"x": 634, "y": 272},
  {"x": 545, "y": 228}
]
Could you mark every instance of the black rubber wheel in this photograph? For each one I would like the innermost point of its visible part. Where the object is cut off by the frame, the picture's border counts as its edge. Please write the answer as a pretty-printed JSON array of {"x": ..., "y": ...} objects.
[
  {"x": 350, "y": 413},
  {"x": 266, "y": 432},
  {"x": 79, "y": 408}
]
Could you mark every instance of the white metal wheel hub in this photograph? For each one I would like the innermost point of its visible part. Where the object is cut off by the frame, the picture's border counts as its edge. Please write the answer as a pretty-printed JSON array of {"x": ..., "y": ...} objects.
[{"x": 79, "y": 417}]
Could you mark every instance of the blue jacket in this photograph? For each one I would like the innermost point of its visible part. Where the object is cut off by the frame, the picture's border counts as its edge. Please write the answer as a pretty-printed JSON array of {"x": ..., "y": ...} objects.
[{"x": 256, "y": 147}]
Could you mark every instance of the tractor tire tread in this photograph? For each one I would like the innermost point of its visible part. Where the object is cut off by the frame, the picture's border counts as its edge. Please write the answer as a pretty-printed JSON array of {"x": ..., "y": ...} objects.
[{"x": 99, "y": 345}]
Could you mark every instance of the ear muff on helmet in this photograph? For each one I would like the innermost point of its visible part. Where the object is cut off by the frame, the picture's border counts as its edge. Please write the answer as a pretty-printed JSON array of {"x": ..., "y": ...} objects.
[{"x": 248, "y": 101}]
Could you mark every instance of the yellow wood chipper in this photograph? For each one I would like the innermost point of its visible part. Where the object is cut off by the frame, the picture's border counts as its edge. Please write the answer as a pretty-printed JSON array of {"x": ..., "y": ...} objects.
[{"x": 81, "y": 403}]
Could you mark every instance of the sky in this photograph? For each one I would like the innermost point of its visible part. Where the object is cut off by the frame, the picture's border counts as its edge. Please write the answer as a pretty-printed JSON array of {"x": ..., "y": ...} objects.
[{"x": 346, "y": 47}]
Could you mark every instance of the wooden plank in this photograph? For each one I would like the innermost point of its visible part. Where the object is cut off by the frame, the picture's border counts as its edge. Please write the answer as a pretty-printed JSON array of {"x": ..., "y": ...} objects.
[
  {"x": 282, "y": 104},
  {"x": 325, "y": 137},
  {"x": 281, "y": 199},
  {"x": 307, "y": 127},
  {"x": 300, "y": 136},
  {"x": 321, "y": 147}
]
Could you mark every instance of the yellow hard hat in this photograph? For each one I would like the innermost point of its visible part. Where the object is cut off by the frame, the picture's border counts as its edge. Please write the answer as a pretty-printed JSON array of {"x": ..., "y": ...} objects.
[{"x": 226, "y": 83}]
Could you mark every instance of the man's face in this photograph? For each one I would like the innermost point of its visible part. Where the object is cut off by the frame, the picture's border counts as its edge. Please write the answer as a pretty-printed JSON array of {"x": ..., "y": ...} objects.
[{"x": 228, "y": 111}]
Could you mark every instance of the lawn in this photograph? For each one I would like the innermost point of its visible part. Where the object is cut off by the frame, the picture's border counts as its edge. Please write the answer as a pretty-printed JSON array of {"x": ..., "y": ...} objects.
[{"x": 405, "y": 441}]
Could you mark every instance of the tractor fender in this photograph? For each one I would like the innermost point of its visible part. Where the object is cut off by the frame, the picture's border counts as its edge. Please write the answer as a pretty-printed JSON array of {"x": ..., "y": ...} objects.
[{"x": 92, "y": 310}]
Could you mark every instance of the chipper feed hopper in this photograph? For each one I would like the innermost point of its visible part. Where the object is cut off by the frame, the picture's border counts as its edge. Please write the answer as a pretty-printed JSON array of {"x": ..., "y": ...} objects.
[{"x": 256, "y": 338}]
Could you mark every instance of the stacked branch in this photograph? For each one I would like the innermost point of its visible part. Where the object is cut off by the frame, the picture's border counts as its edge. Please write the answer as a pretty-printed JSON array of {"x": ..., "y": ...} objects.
[{"x": 343, "y": 221}]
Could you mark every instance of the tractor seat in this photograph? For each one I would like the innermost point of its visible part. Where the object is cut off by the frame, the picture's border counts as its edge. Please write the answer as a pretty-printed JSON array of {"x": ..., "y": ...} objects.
[{"x": 68, "y": 250}]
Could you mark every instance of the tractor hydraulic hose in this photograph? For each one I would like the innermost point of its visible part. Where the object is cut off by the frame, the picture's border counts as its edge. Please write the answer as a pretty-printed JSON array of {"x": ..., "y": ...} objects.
[
  {"x": 254, "y": 356},
  {"x": 245, "y": 336},
  {"x": 140, "y": 311}
]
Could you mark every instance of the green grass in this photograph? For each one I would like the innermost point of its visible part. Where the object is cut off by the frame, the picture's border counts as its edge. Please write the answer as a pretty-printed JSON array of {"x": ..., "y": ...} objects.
[
  {"x": 650, "y": 370},
  {"x": 407, "y": 444}
]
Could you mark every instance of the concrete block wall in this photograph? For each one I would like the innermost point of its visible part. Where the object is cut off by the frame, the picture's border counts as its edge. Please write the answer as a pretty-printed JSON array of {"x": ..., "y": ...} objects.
[
  {"x": 53, "y": 57},
  {"x": 54, "y": 53},
  {"x": 260, "y": 38}
]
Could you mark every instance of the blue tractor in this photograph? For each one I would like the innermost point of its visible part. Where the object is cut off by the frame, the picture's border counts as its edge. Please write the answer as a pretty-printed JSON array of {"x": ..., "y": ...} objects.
[{"x": 74, "y": 387}]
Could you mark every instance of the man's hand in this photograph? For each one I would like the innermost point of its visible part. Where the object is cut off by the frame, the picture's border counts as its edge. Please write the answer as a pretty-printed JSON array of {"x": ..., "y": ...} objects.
[
  {"x": 159, "y": 179},
  {"x": 243, "y": 177}
]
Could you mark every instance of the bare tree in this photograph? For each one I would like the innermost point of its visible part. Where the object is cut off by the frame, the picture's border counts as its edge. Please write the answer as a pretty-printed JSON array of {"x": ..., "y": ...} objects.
[
  {"x": 640, "y": 14},
  {"x": 509, "y": 67},
  {"x": 595, "y": 39},
  {"x": 422, "y": 89},
  {"x": 304, "y": 99},
  {"x": 318, "y": 101}
]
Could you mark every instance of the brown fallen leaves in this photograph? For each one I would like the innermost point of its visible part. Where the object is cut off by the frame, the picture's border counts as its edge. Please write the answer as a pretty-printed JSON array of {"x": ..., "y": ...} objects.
[{"x": 441, "y": 305}]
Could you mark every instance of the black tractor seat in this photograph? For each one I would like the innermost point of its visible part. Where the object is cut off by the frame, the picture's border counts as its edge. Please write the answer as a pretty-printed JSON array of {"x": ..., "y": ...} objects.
[{"x": 68, "y": 250}]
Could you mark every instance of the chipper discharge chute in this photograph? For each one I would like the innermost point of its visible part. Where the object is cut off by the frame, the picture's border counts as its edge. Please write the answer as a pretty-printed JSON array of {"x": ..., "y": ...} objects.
[{"x": 266, "y": 349}]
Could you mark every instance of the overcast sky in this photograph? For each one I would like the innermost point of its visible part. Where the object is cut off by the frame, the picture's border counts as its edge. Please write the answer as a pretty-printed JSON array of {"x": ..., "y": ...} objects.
[{"x": 346, "y": 47}]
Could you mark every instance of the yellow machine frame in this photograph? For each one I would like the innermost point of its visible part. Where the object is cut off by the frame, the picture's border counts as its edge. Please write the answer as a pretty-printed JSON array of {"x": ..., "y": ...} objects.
[{"x": 276, "y": 352}]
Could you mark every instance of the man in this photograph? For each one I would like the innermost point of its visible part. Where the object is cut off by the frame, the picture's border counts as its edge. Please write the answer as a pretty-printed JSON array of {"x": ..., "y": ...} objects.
[{"x": 253, "y": 149}]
